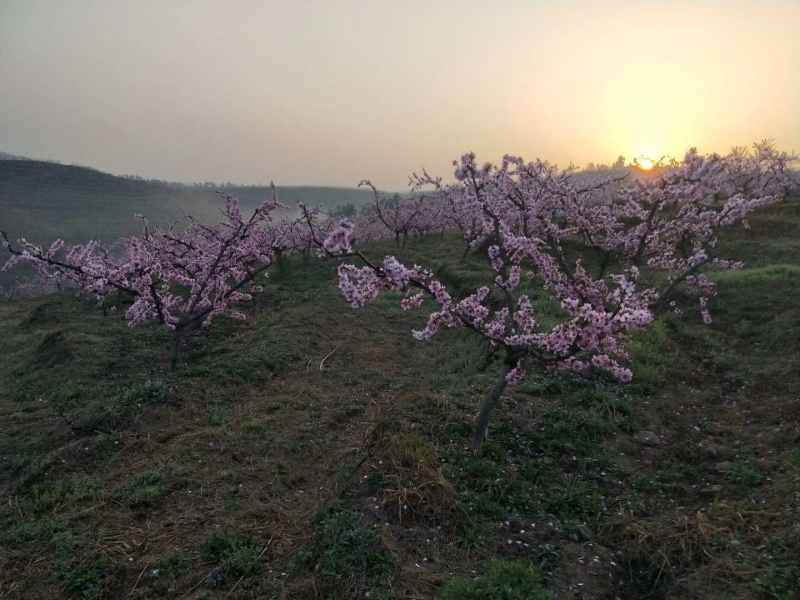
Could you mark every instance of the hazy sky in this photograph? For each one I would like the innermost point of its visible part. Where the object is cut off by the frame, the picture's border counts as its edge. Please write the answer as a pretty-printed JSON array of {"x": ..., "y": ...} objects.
[{"x": 334, "y": 91}]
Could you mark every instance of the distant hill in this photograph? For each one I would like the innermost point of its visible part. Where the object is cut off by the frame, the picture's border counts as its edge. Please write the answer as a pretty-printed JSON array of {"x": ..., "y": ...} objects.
[
  {"x": 7, "y": 156},
  {"x": 43, "y": 200},
  {"x": 290, "y": 195}
]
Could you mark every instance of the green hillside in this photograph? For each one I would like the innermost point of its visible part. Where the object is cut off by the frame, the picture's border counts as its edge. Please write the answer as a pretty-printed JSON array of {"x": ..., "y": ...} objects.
[
  {"x": 43, "y": 201},
  {"x": 313, "y": 451}
]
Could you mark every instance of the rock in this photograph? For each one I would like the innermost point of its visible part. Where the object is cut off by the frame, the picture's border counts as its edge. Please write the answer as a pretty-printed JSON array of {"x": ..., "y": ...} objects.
[
  {"x": 724, "y": 466},
  {"x": 647, "y": 438},
  {"x": 711, "y": 489}
]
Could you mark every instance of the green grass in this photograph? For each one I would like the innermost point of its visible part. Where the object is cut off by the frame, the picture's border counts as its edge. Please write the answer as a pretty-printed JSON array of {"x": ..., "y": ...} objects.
[
  {"x": 235, "y": 555},
  {"x": 258, "y": 470},
  {"x": 502, "y": 581}
]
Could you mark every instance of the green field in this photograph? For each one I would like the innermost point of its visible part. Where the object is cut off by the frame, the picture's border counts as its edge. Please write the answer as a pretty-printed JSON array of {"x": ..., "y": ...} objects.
[{"x": 317, "y": 452}]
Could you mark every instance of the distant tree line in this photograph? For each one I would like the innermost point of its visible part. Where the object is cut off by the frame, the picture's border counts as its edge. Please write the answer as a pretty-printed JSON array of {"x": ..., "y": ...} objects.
[{"x": 617, "y": 165}]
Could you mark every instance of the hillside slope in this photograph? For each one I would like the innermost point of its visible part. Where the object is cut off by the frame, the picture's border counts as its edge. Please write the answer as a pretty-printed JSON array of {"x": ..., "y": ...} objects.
[
  {"x": 313, "y": 451},
  {"x": 43, "y": 201}
]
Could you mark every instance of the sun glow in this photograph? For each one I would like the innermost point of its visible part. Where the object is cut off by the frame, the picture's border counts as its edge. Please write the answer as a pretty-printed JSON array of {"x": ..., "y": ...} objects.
[{"x": 645, "y": 164}]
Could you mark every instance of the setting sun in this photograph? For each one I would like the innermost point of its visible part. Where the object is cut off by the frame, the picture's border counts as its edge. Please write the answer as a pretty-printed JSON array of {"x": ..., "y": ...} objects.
[{"x": 645, "y": 164}]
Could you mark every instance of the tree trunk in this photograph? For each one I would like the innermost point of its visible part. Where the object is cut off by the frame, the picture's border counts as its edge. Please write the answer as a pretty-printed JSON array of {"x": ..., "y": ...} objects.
[
  {"x": 281, "y": 262},
  {"x": 488, "y": 406},
  {"x": 176, "y": 348}
]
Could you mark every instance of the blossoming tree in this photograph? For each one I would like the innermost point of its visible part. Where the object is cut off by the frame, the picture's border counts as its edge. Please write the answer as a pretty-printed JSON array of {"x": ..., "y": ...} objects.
[
  {"x": 179, "y": 278},
  {"x": 531, "y": 212}
]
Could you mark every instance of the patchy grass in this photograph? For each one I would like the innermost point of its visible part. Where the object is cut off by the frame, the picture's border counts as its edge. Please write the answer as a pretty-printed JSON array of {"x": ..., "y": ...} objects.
[
  {"x": 317, "y": 452},
  {"x": 502, "y": 581}
]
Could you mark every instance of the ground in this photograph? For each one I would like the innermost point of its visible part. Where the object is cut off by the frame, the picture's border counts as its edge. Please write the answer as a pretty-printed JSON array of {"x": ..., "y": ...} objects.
[{"x": 314, "y": 451}]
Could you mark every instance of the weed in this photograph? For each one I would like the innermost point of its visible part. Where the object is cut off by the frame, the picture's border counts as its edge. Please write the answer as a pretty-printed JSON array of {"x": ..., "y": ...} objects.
[
  {"x": 86, "y": 488},
  {"x": 574, "y": 498},
  {"x": 346, "y": 553},
  {"x": 235, "y": 555},
  {"x": 744, "y": 473},
  {"x": 143, "y": 489},
  {"x": 29, "y": 529},
  {"x": 84, "y": 581},
  {"x": 150, "y": 392},
  {"x": 501, "y": 581},
  {"x": 779, "y": 582},
  {"x": 484, "y": 469},
  {"x": 172, "y": 563},
  {"x": 645, "y": 484},
  {"x": 575, "y": 434},
  {"x": 536, "y": 470},
  {"x": 483, "y": 504},
  {"x": 48, "y": 496},
  {"x": 218, "y": 413},
  {"x": 576, "y": 530},
  {"x": 472, "y": 538}
]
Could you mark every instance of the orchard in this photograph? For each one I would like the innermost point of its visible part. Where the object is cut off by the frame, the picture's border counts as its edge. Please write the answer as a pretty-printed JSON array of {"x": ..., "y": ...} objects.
[
  {"x": 585, "y": 241},
  {"x": 526, "y": 215},
  {"x": 515, "y": 378}
]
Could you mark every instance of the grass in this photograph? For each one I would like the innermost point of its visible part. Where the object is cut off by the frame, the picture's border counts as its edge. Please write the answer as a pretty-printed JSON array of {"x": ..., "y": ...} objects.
[
  {"x": 502, "y": 581},
  {"x": 317, "y": 452}
]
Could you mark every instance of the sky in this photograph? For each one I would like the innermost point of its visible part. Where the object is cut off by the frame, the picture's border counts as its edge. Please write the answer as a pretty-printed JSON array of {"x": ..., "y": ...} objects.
[{"x": 329, "y": 92}]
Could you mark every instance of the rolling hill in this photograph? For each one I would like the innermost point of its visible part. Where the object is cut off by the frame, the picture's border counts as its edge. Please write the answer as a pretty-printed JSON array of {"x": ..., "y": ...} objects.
[
  {"x": 7, "y": 156},
  {"x": 43, "y": 201}
]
